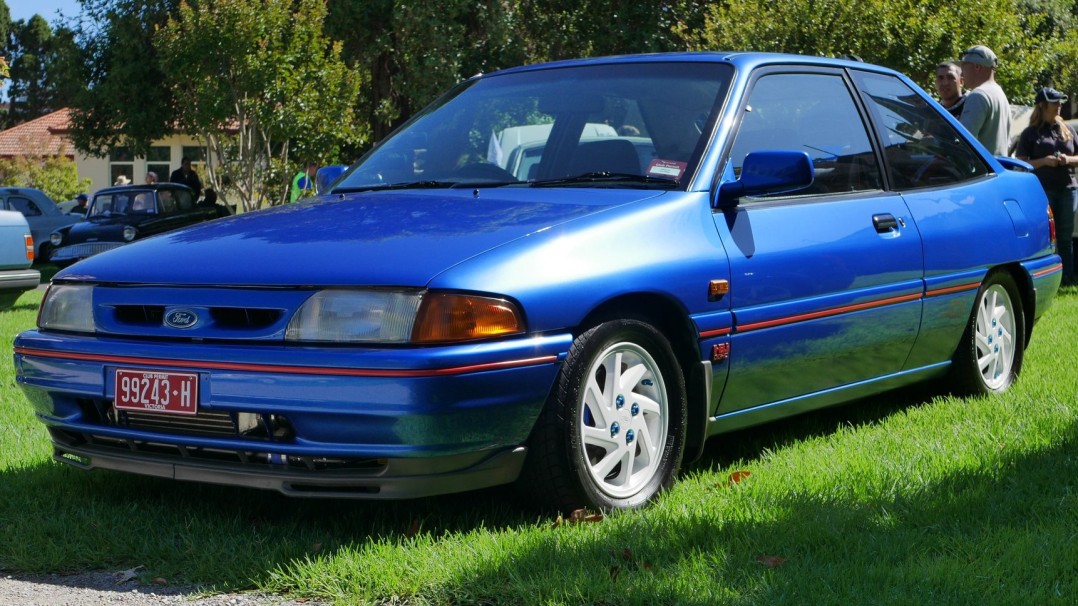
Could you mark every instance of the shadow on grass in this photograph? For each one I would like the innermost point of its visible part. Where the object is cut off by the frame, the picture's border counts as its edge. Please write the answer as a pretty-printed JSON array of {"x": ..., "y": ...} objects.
[
  {"x": 59, "y": 519},
  {"x": 1002, "y": 535}
]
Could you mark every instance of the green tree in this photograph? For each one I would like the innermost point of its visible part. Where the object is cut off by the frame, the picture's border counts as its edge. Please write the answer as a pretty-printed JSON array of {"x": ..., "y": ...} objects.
[
  {"x": 409, "y": 52},
  {"x": 265, "y": 89},
  {"x": 57, "y": 176},
  {"x": 121, "y": 101},
  {"x": 911, "y": 36},
  {"x": 5, "y": 28},
  {"x": 29, "y": 93}
]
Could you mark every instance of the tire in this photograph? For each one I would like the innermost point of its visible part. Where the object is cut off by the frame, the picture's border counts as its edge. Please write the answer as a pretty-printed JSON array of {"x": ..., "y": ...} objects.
[
  {"x": 989, "y": 358},
  {"x": 43, "y": 253},
  {"x": 600, "y": 447}
]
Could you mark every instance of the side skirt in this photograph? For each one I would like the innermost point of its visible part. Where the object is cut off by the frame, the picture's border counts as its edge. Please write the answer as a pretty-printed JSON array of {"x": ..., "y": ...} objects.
[{"x": 766, "y": 413}]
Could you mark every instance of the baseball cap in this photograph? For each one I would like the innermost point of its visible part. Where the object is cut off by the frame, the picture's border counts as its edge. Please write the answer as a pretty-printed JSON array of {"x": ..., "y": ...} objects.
[
  {"x": 1050, "y": 95},
  {"x": 82, "y": 197},
  {"x": 980, "y": 55}
]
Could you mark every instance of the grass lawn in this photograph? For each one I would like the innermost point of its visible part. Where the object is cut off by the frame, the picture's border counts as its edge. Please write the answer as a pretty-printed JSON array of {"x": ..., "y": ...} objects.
[{"x": 907, "y": 498}]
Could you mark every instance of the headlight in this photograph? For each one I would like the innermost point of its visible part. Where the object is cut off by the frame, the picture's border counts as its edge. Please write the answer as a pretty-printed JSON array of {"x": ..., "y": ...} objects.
[
  {"x": 67, "y": 307},
  {"x": 355, "y": 316},
  {"x": 377, "y": 316},
  {"x": 129, "y": 233},
  {"x": 56, "y": 238}
]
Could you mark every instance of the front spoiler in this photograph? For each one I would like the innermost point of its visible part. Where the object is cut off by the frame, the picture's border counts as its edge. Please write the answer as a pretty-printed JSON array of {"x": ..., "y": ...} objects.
[{"x": 397, "y": 479}]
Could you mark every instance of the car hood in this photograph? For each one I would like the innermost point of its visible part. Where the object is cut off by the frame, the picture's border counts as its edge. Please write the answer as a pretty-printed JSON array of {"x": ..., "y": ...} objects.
[{"x": 387, "y": 238}]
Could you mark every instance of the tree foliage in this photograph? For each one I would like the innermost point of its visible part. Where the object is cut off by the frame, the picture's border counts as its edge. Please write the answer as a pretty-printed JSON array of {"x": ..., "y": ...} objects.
[
  {"x": 122, "y": 101},
  {"x": 911, "y": 36},
  {"x": 409, "y": 52},
  {"x": 263, "y": 88},
  {"x": 57, "y": 176}
]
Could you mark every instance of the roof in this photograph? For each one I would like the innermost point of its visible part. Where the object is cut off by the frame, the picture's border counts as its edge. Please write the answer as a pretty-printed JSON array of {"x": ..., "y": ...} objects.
[{"x": 44, "y": 136}]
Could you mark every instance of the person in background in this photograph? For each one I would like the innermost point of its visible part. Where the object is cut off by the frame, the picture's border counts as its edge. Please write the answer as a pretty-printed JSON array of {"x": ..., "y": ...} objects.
[
  {"x": 949, "y": 84},
  {"x": 186, "y": 175},
  {"x": 303, "y": 183},
  {"x": 986, "y": 113},
  {"x": 1051, "y": 146},
  {"x": 80, "y": 204},
  {"x": 151, "y": 178},
  {"x": 122, "y": 180}
]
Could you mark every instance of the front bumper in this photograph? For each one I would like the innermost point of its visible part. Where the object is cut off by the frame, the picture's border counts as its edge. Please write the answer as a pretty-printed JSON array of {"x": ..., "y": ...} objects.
[
  {"x": 14, "y": 282},
  {"x": 443, "y": 420}
]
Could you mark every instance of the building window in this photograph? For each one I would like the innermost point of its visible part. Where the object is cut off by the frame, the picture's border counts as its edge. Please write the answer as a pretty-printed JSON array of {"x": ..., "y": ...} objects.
[
  {"x": 121, "y": 163},
  {"x": 159, "y": 161}
]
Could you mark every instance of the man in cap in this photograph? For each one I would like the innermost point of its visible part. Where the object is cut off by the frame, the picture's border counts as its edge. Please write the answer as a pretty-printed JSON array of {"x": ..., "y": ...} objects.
[
  {"x": 80, "y": 204},
  {"x": 986, "y": 114}
]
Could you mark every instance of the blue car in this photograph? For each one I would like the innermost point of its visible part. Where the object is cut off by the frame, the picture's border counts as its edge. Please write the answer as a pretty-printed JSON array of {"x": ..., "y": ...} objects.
[{"x": 695, "y": 243}]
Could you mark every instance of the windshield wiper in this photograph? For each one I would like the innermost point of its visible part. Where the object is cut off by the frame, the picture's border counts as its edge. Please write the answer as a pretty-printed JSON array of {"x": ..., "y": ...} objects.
[
  {"x": 606, "y": 177},
  {"x": 405, "y": 185}
]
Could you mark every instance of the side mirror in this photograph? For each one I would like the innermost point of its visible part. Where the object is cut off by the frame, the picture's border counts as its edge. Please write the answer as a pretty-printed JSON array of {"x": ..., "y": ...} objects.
[
  {"x": 768, "y": 172},
  {"x": 326, "y": 176}
]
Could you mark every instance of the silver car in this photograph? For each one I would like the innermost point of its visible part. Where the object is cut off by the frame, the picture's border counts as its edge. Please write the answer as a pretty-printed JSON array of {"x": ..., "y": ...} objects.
[{"x": 41, "y": 214}]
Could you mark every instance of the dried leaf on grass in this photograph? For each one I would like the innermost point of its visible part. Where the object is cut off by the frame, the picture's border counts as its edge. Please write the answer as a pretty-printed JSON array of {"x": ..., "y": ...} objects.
[
  {"x": 771, "y": 561},
  {"x": 576, "y": 517},
  {"x": 737, "y": 476}
]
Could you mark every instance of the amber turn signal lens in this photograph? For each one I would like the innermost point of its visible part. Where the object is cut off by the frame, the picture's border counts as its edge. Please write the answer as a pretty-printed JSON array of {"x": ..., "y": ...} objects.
[
  {"x": 446, "y": 317},
  {"x": 29, "y": 247}
]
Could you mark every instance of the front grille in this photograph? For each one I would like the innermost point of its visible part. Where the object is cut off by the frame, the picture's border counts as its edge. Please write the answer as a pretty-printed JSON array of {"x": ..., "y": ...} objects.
[
  {"x": 202, "y": 424},
  {"x": 81, "y": 251},
  {"x": 210, "y": 424},
  {"x": 246, "y": 318},
  {"x": 142, "y": 315}
]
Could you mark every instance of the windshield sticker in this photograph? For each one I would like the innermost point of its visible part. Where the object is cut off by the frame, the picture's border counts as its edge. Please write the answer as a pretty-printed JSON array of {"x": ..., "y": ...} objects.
[{"x": 670, "y": 169}]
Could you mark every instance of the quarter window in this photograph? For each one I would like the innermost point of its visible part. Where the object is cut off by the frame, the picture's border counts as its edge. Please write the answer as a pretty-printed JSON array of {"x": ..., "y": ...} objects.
[
  {"x": 814, "y": 113},
  {"x": 921, "y": 147}
]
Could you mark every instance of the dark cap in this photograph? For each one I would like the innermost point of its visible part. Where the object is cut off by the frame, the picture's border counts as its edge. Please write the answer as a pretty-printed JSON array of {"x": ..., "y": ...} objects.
[
  {"x": 1050, "y": 95},
  {"x": 980, "y": 55},
  {"x": 82, "y": 197}
]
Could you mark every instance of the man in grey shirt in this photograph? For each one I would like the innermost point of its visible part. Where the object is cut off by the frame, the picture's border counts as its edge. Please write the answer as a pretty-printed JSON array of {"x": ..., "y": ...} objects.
[{"x": 986, "y": 113}]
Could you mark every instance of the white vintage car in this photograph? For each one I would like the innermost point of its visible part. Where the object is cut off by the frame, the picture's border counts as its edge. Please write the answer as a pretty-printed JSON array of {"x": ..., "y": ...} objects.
[{"x": 16, "y": 256}]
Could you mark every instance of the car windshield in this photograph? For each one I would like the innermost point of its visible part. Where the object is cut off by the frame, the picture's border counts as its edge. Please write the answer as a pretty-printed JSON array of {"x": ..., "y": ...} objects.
[{"x": 613, "y": 125}]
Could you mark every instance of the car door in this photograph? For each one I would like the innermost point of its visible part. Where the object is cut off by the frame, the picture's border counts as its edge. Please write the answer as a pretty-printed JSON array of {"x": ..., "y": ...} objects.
[
  {"x": 964, "y": 215},
  {"x": 825, "y": 283}
]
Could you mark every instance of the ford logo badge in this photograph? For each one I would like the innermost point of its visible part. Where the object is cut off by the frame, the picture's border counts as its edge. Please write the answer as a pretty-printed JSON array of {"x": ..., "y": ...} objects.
[{"x": 181, "y": 318}]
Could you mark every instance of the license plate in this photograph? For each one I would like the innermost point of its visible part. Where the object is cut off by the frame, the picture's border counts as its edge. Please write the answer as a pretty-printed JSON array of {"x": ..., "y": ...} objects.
[{"x": 157, "y": 391}]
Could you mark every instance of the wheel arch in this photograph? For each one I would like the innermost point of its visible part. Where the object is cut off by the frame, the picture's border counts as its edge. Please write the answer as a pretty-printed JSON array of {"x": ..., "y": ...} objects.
[
  {"x": 672, "y": 320},
  {"x": 1026, "y": 290}
]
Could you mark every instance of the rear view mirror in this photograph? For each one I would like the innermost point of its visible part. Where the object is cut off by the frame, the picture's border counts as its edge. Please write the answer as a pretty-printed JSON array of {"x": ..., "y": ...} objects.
[{"x": 768, "y": 172}]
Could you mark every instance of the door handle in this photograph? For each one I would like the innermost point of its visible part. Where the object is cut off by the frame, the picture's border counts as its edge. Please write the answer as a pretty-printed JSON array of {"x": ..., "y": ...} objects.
[{"x": 885, "y": 222}]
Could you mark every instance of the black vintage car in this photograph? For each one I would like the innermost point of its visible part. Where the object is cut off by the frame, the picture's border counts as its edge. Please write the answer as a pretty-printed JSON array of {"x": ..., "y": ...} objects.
[{"x": 119, "y": 215}]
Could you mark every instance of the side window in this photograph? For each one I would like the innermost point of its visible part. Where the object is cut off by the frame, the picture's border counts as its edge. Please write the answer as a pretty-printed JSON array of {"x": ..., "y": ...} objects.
[
  {"x": 184, "y": 200},
  {"x": 166, "y": 201},
  {"x": 921, "y": 147},
  {"x": 26, "y": 206},
  {"x": 816, "y": 114}
]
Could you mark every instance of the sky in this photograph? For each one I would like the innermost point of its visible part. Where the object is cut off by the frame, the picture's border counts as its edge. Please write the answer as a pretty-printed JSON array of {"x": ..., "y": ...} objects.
[{"x": 24, "y": 9}]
